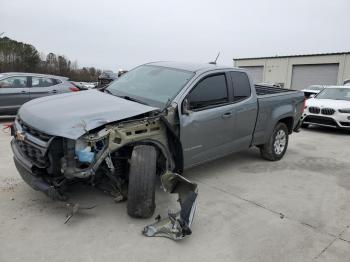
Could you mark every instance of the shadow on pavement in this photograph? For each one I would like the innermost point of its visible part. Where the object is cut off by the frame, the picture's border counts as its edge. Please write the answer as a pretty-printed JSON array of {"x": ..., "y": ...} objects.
[{"x": 329, "y": 130}]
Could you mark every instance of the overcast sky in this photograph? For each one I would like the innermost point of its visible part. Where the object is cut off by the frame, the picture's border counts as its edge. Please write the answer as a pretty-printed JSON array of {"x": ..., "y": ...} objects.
[{"x": 123, "y": 34}]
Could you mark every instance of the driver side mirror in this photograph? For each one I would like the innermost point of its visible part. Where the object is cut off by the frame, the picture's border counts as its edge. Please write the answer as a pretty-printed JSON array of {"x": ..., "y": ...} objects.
[{"x": 186, "y": 110}]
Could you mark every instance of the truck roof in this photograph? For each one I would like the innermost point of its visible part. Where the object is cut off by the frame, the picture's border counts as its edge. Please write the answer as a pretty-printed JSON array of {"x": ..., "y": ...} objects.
[{"x": 192, "y": 67}]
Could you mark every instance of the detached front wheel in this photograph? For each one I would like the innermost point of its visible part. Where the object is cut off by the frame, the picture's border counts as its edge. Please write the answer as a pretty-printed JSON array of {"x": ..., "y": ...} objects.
[
  {"x": 276, "y": 146},
  {"x": 142, "y": 176}
]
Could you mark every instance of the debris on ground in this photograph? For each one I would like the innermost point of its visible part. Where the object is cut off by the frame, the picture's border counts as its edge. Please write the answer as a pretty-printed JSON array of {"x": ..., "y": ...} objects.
[
  {"x": 73, "y": 208},
  {"x": 178, "y": 224}
]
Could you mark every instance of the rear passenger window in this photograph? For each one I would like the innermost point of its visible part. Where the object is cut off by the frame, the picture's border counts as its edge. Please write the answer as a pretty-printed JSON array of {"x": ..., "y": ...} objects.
[
  {"x": 241, "y": 85},
  {"x": 56, "y": 81},
  {"x": 209, "y": 92},
  {"x": 42, "y": 82}
]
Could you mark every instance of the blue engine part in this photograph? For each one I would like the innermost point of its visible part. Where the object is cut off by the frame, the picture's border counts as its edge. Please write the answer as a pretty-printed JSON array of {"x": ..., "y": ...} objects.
[{"x": 85, "y": 155}]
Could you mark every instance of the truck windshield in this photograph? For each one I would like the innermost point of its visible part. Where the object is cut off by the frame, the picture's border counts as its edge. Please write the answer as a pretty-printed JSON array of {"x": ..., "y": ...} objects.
[
  {"x": 153, "y": 85},
  {"x": 335, "y": 93}
]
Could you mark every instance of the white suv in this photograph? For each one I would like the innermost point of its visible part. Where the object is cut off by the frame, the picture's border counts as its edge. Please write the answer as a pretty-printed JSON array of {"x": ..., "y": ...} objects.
[{"x": 331, "y": 108}]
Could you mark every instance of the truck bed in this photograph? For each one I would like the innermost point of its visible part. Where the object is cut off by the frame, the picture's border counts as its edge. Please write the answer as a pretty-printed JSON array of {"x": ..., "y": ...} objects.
[
  {"x": 262, "y": 90},
  {"x": 273, "y": 103}
]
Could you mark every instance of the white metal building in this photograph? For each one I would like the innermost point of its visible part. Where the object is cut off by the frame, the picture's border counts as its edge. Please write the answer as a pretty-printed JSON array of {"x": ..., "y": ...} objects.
[{"x": 298, "y": 71}]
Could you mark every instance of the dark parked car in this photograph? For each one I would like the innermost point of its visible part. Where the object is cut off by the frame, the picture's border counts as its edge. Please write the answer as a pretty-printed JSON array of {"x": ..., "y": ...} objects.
[
  {"x": 18, "y": 88},
  {"x": 105, "y": 79}
]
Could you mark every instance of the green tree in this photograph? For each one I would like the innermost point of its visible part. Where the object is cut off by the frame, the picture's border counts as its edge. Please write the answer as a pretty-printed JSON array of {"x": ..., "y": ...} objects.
[
  {"x": 22, "y": 57},
  {"x": 18, "y": 56}
]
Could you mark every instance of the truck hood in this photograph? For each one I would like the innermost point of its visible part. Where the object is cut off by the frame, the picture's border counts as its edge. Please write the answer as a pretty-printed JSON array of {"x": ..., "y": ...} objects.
[{"x": 71, "y": 115}]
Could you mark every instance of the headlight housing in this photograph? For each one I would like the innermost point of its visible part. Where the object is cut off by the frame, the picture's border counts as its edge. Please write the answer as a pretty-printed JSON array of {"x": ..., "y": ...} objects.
[
  {"x": 83, "y": 151},
  {"x": 86, "y": 147},
  {"x": 344, "y": 110}
]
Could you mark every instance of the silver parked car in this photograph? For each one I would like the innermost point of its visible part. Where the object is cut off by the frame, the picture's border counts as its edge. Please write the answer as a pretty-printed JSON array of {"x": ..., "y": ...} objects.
[{"x": 18, "y": 88}]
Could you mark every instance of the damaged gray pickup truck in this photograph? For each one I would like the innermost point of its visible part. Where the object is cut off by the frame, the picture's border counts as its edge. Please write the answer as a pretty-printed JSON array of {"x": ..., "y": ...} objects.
[{"x": 153, "y": 122}]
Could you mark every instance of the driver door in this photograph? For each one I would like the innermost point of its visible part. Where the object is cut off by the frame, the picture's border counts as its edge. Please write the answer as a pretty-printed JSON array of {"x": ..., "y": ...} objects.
[{"x": 207, "y": 125}]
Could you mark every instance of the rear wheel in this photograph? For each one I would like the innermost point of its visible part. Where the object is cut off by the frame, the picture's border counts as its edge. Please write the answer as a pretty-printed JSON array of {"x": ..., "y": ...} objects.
[
  {"x": 276, "y": 146},
  {"x": 142, "y": 175}
]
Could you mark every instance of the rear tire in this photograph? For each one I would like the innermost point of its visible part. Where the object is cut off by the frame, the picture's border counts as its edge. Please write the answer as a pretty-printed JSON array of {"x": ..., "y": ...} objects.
[
  {"x": 142, "y": 176},
  {"x": 276, "y": 146}
]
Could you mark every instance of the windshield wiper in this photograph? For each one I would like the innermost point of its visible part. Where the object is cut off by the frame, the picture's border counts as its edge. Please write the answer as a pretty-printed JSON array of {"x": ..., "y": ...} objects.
[
  {"x": 126, "y": 97},
  {"x": 133, "y": 99}
]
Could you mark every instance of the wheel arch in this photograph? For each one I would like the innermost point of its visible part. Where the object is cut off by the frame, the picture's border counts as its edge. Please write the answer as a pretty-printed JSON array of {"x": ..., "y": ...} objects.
[
  {"x": 172, "y": 161},
  {"x": 288, "y": 121}
]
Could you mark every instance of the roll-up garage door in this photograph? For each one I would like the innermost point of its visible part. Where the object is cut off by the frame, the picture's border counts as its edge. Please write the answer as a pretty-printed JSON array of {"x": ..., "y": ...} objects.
[
  {"x": 256, "y": 72},
  {"x": 306, "y": 75}
]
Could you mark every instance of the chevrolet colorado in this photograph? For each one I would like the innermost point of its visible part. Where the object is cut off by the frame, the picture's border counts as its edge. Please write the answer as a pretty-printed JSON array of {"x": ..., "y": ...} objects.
[{"x": 155, "y": 121}]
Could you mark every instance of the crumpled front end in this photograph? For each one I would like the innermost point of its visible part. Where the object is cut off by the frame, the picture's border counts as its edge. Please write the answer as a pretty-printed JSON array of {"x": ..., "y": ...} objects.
[
  {"x": 32, "y": 158},
  {"x": 100, "y": 158}
]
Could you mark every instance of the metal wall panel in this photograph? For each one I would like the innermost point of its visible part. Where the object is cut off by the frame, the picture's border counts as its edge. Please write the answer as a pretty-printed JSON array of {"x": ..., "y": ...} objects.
[
  {"x": 257, "y": 73},
  {"x": 306, "y": 75}
]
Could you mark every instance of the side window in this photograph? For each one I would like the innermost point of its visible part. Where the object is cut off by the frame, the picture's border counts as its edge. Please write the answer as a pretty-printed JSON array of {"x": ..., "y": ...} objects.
[
  {"x": 210, "y": 91},
  {"x": 241, "y": 85},
  {"x": 56, "y": 81},
  {"x": 14, "y": 82},
  {"x": 42, "y": 82}
]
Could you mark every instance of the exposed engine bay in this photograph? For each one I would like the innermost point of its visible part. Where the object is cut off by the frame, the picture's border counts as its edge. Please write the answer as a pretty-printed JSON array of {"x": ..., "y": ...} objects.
[{"x": 101, "y": 158}]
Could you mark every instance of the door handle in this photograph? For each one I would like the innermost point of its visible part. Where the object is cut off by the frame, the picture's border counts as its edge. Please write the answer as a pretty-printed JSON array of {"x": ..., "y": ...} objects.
[
  {"x": 54, "y": 91},
  {"x": 23, "y": 92},
  {"x": 227, "y": 115}
]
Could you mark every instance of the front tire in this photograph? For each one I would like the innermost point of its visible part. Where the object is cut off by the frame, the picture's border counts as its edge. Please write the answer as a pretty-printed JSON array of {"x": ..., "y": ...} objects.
[
  {"x": 276, "y": 146},
  {"x": 142, "y": 176}
]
